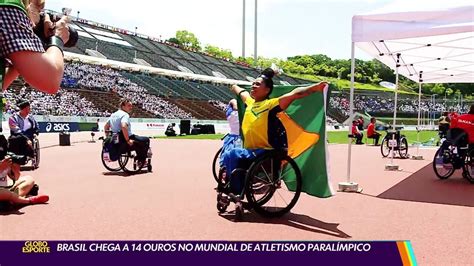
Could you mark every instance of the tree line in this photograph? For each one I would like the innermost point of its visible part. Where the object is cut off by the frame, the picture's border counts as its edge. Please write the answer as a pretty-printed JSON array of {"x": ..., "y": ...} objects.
[{"x": 372, "y": 72}]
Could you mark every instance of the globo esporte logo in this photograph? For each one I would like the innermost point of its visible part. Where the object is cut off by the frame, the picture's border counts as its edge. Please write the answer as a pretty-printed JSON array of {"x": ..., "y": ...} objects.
[{"x": 57, "y": 127}]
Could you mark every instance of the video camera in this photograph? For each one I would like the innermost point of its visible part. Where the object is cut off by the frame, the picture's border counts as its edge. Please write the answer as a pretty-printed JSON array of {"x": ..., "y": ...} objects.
[
  {"x": 39, "y": 29},
  {"x": 18, "y": 159},
  {"x": 5, "y": 151}
]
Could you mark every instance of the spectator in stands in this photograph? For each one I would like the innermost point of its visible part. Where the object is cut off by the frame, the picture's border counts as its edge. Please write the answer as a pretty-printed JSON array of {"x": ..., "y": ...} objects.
[
  {"x": 356, "y": 133},
  {"x": 65, "y": 103},
  {"x": 40, "y": 67},
  {"x": 218, "y": 104},
  {"x": 106, "y": 79},
  {"x": 23, "y": 129},
  {"x": 119, "y": 123},
  {"x": 372, "y": 133},
  {"x": 260, "y": 127}
]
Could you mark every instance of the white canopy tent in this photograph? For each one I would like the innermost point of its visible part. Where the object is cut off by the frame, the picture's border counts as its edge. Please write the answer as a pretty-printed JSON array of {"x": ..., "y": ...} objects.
[{"x": 425, "y": 41}]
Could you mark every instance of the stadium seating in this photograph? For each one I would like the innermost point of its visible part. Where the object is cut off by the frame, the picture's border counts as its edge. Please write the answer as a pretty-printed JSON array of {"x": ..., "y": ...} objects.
[{"x": 159, "y": 54}]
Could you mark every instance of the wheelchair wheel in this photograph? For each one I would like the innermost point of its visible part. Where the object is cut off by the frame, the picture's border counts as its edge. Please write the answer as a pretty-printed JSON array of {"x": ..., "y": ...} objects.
[
  {"x": 442, "y": 168},
  {"x": 129, "y": 164},
  {"x": 403, "y": 149},
  {"x": 36, "y": 148},
  {"x": 222, "y": 202},
  {"x": 273, "y": 184},
  {"x": 384, "y": 148},
  {"x": 109, "y": 165},
  {"x": 149, "y": 168},
  {"x": 215, "y": 165},
  {"x": 468, "y": 167}
]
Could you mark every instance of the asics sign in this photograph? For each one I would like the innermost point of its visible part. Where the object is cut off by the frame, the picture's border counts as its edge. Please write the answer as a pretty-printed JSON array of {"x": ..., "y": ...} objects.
[{"x": 58, "y": 127}]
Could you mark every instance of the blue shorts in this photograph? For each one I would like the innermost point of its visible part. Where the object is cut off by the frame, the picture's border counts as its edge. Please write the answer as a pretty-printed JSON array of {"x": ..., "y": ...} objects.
[
  {"x": 229, "y": 144},
  {"x": 238, "y": 158}
]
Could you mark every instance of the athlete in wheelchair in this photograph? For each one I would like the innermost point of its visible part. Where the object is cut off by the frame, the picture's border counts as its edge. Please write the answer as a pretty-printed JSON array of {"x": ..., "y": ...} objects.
[
  {"x": 122, "y": 150},
  {"x": 457, "y": 151},
  {"x": 401, "y": 143},
  {"x": 24, "y": 132},
  {"x": 230, "y": 140},
  {"x": 443, "y": 127},
  {"x": 262, "y": 172}
]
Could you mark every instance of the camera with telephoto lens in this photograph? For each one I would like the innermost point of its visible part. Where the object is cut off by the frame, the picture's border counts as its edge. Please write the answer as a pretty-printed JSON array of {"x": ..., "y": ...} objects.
[
  {"x": 18, "y": 159},
  {"x": 39, "y": 29}
]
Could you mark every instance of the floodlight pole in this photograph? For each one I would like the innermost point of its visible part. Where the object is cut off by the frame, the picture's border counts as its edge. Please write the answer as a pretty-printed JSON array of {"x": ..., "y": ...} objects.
[
  {"x": 255, "y": 35},
  {"x": 136, "y": 48},
  {"x": 243, "y": 29}
]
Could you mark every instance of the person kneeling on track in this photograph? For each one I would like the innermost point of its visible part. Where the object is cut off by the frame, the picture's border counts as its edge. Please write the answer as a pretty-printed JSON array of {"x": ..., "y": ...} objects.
[
  {"x": 261, "y": 128},
  {"x": 119, "y": 123},
  {"x": 24, "y": 190}
]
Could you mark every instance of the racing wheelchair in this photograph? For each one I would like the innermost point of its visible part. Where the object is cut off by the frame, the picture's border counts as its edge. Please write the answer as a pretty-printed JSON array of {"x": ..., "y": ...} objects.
[
  {"x": 455, "y": 153},
  {"x": 116, "y": 156},
  {"x": 271, "y": 187},
  {"x": 215, "y": 164},
  {"x": 401, "y": 145}
]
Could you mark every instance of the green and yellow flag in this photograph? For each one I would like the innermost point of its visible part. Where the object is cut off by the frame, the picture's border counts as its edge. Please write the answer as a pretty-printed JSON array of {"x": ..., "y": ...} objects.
[{"x": 305, "y": 124}]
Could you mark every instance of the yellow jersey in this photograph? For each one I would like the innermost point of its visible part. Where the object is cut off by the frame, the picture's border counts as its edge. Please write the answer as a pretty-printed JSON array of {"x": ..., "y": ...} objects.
[{"x": 261, "y": 128}]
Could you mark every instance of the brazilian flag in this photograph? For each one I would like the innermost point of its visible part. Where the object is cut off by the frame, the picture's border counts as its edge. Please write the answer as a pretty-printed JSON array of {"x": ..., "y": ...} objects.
[{"x": 305, "y": 124}]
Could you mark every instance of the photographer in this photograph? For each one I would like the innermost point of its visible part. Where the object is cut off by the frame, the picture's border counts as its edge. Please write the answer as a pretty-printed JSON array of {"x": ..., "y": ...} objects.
[
  {"x": 42, "y": 67},
  {"x": 170, "y": 132},
  {"x": 24, "y": 190}
]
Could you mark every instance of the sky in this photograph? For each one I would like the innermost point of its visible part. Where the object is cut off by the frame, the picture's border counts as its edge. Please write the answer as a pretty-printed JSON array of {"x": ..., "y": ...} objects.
[{"x": 285, "y": 27}]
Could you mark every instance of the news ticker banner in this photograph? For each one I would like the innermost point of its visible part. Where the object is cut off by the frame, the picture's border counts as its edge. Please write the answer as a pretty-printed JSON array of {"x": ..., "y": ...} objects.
[{"x": 39, "y": 252}]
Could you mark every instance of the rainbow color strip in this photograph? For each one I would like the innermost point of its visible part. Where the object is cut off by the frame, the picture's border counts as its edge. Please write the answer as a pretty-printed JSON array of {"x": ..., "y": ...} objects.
[{"x": 406, "y": 253}]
